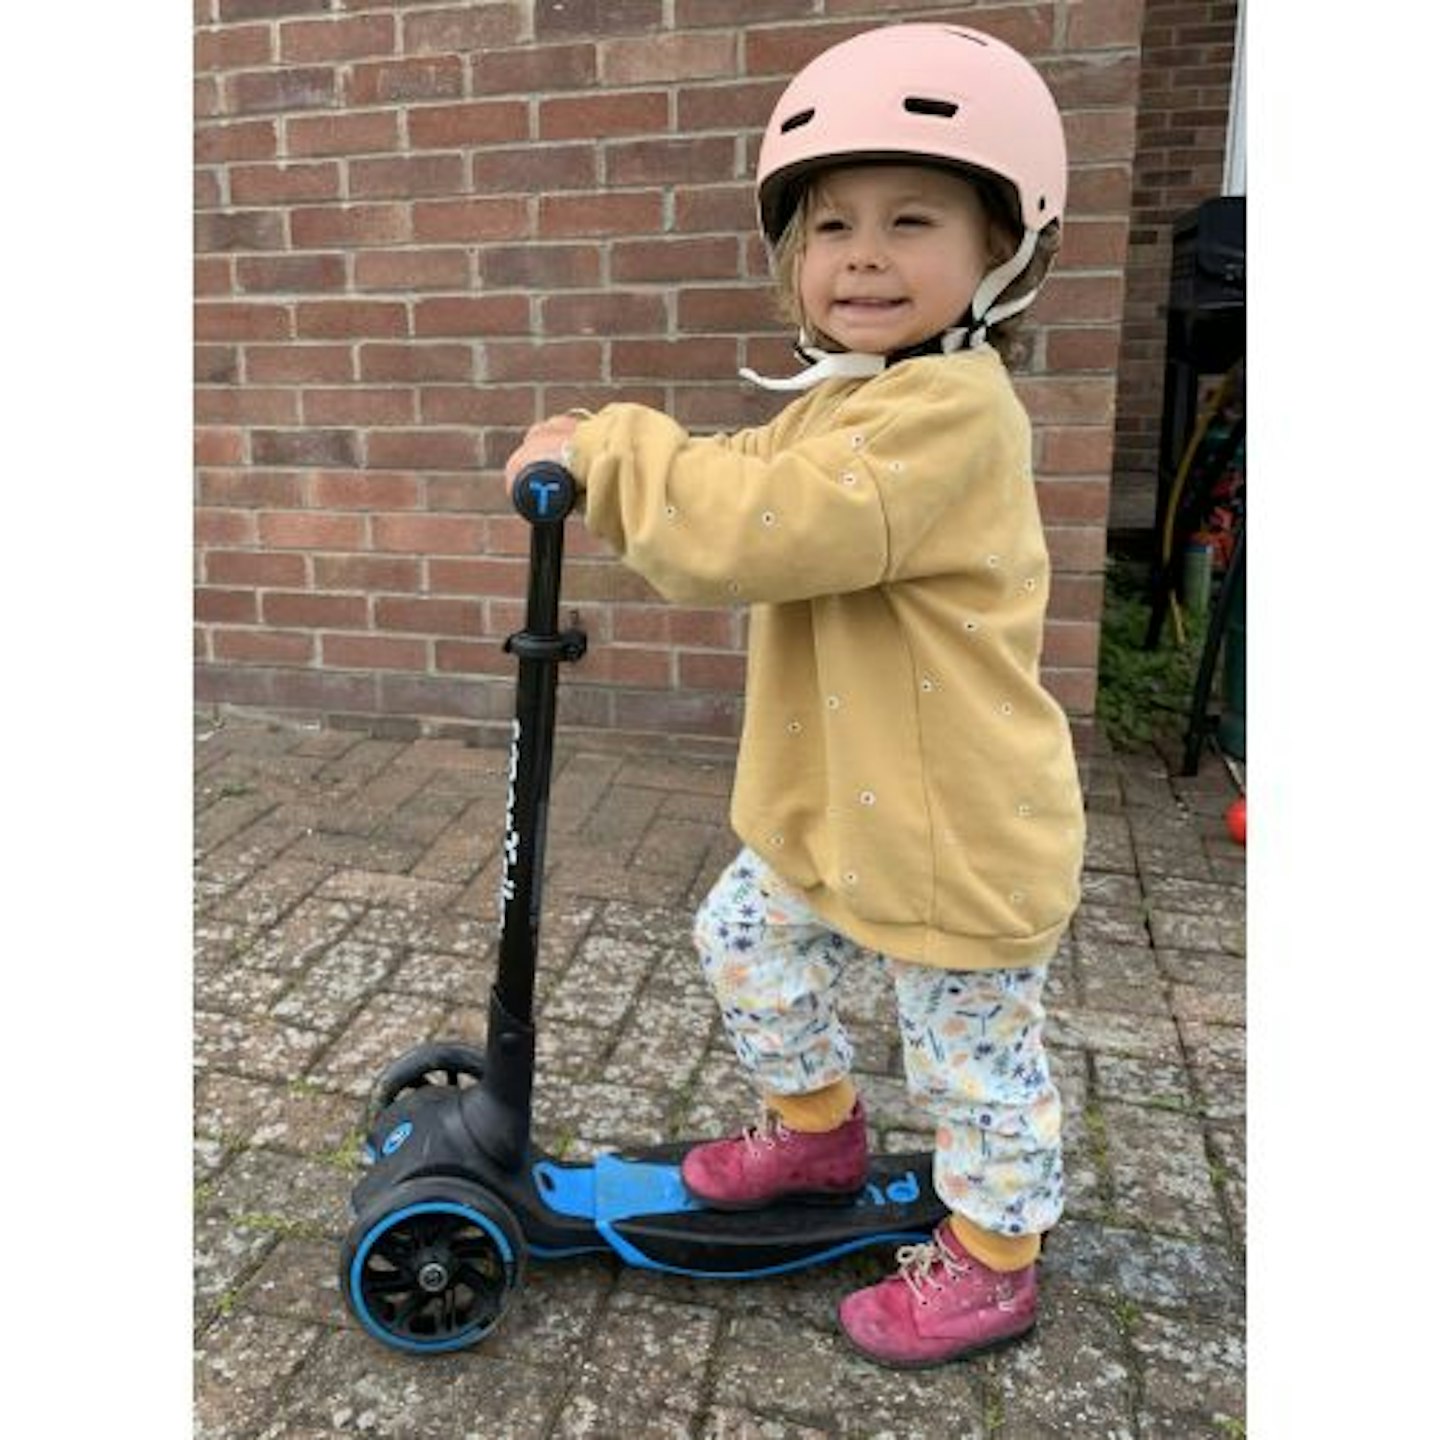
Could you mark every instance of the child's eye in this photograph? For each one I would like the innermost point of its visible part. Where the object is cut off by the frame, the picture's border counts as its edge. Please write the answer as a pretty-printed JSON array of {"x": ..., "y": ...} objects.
[
  {"x": 829, "y": 226},
  {"x": 913, "y": 220}
]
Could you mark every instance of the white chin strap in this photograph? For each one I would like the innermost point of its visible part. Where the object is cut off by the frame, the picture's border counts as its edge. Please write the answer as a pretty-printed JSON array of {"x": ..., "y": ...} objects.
[
  {"x": 855, "y": 365},
  {"x": 830, "y": 365}
]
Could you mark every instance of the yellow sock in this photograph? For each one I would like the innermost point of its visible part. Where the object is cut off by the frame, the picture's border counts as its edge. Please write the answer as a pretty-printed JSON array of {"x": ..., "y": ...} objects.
[
  {"x": 999, "y": 1252},
  {"x": 818, "y": 1111}
]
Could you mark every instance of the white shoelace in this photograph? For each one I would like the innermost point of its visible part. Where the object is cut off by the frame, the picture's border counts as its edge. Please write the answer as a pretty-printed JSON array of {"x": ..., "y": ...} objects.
[
  {"x": 770, "y": 1129},
  {"x": 917, "y": 1265}
]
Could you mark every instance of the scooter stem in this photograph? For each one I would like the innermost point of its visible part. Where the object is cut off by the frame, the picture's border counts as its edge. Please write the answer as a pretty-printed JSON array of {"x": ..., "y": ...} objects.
[{"x": 544, "y": 493}]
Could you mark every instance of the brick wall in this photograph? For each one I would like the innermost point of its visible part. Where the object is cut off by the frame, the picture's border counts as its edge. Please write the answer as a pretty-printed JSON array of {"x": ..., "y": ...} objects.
[
  {"x": 422, "y": 226},
  {"x": 1187, "y": 52}
]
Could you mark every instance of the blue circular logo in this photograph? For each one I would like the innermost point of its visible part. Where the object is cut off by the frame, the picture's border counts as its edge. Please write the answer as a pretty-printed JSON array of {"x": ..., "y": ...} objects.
[{"x": 396, "y": 1138}]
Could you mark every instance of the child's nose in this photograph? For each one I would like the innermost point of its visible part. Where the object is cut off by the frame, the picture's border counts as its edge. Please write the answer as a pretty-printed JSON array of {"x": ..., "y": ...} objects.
[{"x": 866, "y": 253}]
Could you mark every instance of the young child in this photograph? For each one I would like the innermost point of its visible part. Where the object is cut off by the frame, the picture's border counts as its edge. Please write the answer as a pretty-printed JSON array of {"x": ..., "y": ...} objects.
[{"x": 904, "y": 784}]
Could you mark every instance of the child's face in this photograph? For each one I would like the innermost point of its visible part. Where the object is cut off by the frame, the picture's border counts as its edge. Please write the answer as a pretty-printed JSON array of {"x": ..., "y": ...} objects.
[{"x": 891, "y": 255}]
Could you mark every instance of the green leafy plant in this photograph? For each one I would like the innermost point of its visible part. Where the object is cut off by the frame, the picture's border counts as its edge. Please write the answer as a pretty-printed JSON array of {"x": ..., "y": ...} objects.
[{"x": 1143, "y": 695}]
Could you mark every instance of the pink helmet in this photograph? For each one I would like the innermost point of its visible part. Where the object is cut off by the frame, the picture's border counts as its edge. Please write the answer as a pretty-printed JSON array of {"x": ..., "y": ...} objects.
[{"x": 904, "y": 92}]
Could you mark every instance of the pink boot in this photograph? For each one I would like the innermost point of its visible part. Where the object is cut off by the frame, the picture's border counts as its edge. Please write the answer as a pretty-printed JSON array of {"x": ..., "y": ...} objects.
[
  {"x": 773, "y": 1162},
  {"x": 943, "y": 1304}
]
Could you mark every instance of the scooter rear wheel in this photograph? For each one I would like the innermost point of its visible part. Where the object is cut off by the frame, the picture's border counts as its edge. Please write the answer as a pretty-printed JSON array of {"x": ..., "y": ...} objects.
[
  {"x": 440, "y": 1062},
  {"x": 434, "y": 1267}
]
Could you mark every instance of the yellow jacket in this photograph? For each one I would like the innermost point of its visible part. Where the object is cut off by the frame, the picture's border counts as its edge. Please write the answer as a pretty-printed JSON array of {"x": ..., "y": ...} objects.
[{"x": 900, "y": 762}]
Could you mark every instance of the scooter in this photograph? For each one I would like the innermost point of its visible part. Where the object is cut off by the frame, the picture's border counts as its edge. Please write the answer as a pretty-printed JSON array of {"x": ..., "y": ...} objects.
[{"x": 454, "y": 1200}]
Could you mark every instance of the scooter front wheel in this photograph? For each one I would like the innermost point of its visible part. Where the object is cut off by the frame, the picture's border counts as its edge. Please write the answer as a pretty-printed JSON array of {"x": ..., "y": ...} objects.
[{"x": 433, "y": 1266}]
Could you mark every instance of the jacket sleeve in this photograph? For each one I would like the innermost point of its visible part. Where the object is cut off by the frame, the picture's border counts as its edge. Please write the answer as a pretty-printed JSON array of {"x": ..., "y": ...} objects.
[{"x": 745, "y": 519}]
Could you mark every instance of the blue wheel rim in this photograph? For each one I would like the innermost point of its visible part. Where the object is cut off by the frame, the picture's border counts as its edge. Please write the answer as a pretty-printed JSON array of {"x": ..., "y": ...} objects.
[{"x": 387, "y": 1261}]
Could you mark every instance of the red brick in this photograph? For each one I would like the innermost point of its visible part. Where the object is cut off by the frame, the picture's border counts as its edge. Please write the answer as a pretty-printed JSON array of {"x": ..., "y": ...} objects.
[
  {"x": 503, "y": 360},
  {"x": 700, "y": 356},
  {"x": 308, "y": 88},
  {"x": 1073, "y": 689},
  {"x": 1070, "y": 298},
  {"x": 345, "y": 38},
  {"x": 329, "y": 319},
  {"x": 1076, "y": 547},
  {"x": 1068, "y": 401},
  {"x": 470, "y": 220},
  {"x": 302, "y": 274},
  {"x": 235, "y": 607},
  {"x": 1074, "y": 450},
  {"x": 234, "y": 48},
  {"x": 217, "y": 364},
  {"x": 463, "y": 29},
  {"x": 589, "y": 116},
  {"x": 363, "y": 134},
  {"x": 675, "y": 258},
  {"x": 416, "y": 362},
  {"x": 269, "y": 9},
  {"x": 264, "y": 647},
  {"x": 478, "y": 122},
  {"x": 308, "y": 610},
  {"x": 1073, "y": 501},
  {"x": 408, "y": 270},
  {"x": 373, "y": 652},
  {"x": 479, "y": 315},
  {"x": 539, "y": 266},
  {"x": 225, "y": 527},
  {"x": 667, "y": 58},
  {"x": 213, "y": 276},
  {"x": 596, "y": 17},
  {"x": 1079, "y": 597},
  {"x": 406, "y": 175},
  {"x": 473, "y": 657},
  {"x": 1090, "y": 349},
  {"x": 421, "y": 615},
  {"x": 742, "y": 106},
  {"x": 251, "y": 487},
  {"x": 304, "y": 447},
  {"x": 532, "y": 69},
  {"x": 727, "y": 208},
  {"x": 244, "y": 405},
  {"x": 726, "y": 309},
  {"x": 530, "y": 169},
  {"x": 606, "y": 213},
  {"x": 440, "y": 77},
  {"x": 704, "y": 671},
  {"x": 219, "y": 446},
  {"x": 258, "y": 568},
  {"x": 314, "y": 363},
  {"x": 242, "y": 320},
  {"x": 240, "y": 230},
  {"x": 353, "y": 405},
  {"x": 369, "y": 574},
  {"x": 344, "y": 226},
  {"x": 420, "y": 450},
  {"x": 360, "y": 490},
  {"x": 658, "y": 162},
  {"x": 306, "y": 530},
  {"x": 478, "y": 405},
  {"x": 482, "y": 576},
  {"x": 236, "y": 140},
  {"x": 603, "y": 314}
]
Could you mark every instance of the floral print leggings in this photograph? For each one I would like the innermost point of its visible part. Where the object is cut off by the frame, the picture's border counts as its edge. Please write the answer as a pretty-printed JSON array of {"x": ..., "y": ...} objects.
[{"x": 972, "y": 1042}]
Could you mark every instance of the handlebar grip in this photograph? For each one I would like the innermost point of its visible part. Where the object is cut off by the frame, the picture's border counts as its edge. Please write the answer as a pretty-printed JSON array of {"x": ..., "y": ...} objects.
[{"x": 544, "y": 492}]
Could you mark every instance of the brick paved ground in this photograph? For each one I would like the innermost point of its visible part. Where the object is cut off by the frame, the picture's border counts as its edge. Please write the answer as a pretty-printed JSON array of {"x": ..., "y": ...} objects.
[{"x": 345, "y": 899}]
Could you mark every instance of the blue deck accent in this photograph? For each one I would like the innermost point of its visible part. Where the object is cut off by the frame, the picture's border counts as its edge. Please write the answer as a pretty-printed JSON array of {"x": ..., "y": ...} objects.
[{"x": 615, "y": 1189}]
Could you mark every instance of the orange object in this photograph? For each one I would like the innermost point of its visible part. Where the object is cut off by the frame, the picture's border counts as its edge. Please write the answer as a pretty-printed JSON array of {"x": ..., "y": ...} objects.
[{"x": 1235, "y": 821}]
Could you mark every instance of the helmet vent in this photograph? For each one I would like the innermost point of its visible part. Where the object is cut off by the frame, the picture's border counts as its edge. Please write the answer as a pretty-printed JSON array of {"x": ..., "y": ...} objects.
[
  {"x": 923, "y": 105},
  {"x": 799, "y": 118}
]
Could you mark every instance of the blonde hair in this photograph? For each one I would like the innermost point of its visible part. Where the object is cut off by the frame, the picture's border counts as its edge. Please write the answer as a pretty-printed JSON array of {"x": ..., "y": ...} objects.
[{"x": 1001, "y": 209}]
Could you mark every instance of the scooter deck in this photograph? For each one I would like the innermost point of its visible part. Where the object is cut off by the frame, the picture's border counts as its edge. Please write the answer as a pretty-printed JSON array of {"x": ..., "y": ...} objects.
[{"x": 639, "y": 1206}]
